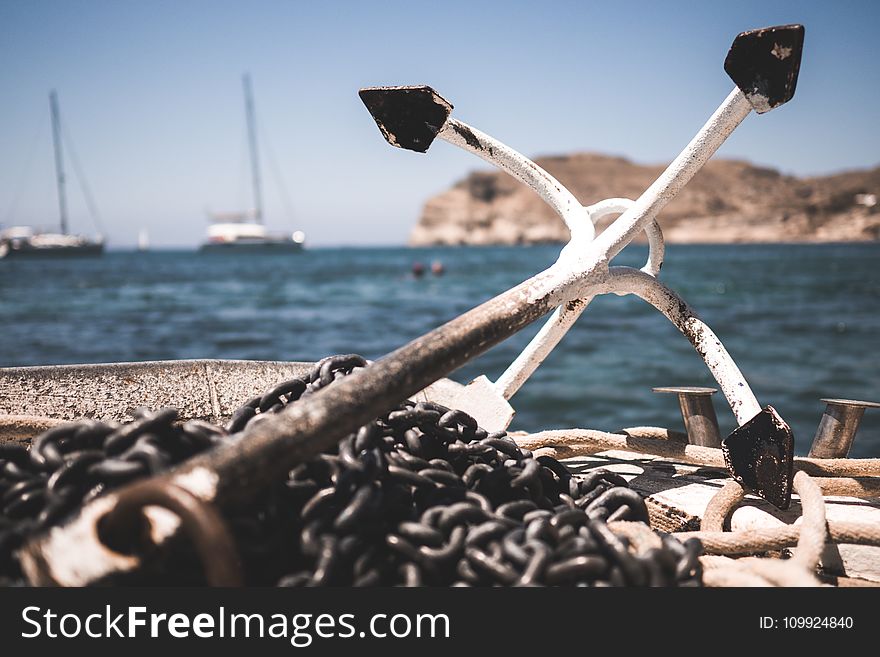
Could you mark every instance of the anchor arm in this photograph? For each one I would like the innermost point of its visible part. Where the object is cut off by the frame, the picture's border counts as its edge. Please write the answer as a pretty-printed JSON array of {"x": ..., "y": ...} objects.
[
  {"x": 759, "y": 453},
  {"x": 562, "y": 201},
  {"x": 565, "y": 316},
  {"x": 739, "y": 395},
  {"x": 411, "y": 117},
  {"x": 764, "y": 64}
]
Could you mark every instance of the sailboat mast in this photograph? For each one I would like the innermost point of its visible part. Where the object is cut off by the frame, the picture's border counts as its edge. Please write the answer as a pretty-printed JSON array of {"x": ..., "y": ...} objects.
[
  {"x": 252, "y": 141},
  {"x": 59, "y": 159}
]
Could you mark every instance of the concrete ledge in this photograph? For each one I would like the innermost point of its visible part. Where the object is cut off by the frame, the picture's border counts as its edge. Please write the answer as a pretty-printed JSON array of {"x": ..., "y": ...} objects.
[{"x": 204, "y": 389}]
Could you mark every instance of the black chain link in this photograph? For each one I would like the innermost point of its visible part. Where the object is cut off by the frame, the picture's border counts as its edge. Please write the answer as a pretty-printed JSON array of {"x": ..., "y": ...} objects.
[
  {"x": 420, "y": 496},
  {"x": 73, "y": 463}
]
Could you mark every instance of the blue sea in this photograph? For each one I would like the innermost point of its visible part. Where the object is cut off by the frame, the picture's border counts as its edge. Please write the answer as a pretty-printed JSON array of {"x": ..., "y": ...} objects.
[{"x": 802, "y": 321}]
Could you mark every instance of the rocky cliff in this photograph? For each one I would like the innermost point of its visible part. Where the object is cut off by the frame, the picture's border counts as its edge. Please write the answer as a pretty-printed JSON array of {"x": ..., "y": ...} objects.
[{"x": 727, "y": 201}]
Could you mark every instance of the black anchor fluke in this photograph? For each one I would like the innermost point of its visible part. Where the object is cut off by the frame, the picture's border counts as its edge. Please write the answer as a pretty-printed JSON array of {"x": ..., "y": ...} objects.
[
  {"x": 409, "y": 117},
  {"x": 760, "y": 456},
  {"x": 765, "y": 63}
]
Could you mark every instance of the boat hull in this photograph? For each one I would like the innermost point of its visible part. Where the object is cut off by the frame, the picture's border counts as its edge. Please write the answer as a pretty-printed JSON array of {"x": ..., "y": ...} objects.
[
  {"x": 25, "y": 250},
  {"x": 263, "y": 247}
]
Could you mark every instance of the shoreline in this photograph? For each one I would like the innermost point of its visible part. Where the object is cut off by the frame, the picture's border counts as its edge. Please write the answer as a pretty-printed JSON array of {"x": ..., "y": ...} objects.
[{"x": 379, "y": 247}]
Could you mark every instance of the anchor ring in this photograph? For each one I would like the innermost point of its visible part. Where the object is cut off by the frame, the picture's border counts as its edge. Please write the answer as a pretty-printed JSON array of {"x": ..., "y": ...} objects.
[{"x": 199, "y": 520}]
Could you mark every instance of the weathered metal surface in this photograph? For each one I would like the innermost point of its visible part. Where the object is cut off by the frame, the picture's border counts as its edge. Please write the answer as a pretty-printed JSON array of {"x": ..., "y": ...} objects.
[
  {"x": 409, "y": 117},
  {"x": 540, "y": 346},
  {"x": 760, "y": 456},
  {"x": 200, "y": 389},
  {"x": 489, "y": 403},
  {"x": 740, "y": 398},
  {"x": 838, "y": 426},
  {"x": 638, "y": 215},
  {"x": 554, "y": 193},
  {"x": 565, "y": 316},
  {"x": 479, "y": 399},
  {"x": 653, "y": 233},
  {"x": 127, "y": 527},
  {"x": 765, "y": 64},
  {"x": 698, "y": 414}
]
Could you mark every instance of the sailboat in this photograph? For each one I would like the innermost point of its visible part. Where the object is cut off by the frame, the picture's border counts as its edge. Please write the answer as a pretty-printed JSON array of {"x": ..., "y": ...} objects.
[
  {"x": 24, "y": 241},
  {"x": 245, "y": 232}
]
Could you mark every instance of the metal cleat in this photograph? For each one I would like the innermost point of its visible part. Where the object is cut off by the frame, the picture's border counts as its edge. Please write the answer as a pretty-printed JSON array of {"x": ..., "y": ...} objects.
[
  {"x": 698, "y": 414},
  {"x": 837, "y": 428}
]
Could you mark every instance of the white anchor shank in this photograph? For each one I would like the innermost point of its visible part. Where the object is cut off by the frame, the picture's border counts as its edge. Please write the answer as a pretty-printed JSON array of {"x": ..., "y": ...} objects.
[{"x": 726, "y": 118}]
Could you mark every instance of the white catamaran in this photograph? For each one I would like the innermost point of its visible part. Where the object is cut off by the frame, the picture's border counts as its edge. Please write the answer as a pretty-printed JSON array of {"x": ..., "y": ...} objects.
[
  {"x": 24, "y": 241},
  {"x": 245, "y": 232}
]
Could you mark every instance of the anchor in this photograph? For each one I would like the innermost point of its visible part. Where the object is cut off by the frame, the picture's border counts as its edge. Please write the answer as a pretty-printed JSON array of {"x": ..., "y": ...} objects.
[{"x": 763, "y": 63}]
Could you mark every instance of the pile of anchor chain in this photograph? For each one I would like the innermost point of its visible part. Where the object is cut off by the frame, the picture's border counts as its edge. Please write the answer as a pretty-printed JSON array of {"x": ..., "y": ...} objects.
[
  {"x": 71, "y": 464},
  {"x": 420, "y": 496}
]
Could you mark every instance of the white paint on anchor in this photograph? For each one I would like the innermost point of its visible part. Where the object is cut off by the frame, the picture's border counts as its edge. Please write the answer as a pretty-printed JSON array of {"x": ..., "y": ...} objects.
[
  {"x": 582, "y": 268},
  {"x": 780, "y": 52},
  {"x": 199, "y": 481}
]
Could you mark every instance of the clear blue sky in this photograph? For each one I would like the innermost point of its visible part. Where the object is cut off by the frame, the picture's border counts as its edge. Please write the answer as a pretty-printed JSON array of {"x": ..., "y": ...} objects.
[{"x": 151, "y": 94}]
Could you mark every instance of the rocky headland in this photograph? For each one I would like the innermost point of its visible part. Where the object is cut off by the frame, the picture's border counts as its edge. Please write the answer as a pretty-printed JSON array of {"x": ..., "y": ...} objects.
[{"x": 728, "y": 201}]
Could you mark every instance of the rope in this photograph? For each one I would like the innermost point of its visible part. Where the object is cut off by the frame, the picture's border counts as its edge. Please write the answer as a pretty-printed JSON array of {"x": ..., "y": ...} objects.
[
  {"x": 848, "y": 486},
  {"x": 845, "y": 477},
  {"x": 569, "y": 443},
  {"x": 809, "y": 537},
  {"x": 640, "y": 535},
  {"x": 769, "y": 539},
  {"x": 717, "y": 573},
  {"x": 814, "y": 526},
  {"x": 751, "y": 571},
  {"x": 838, "y": 467},
  {"x": 721, "y": 506}
]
